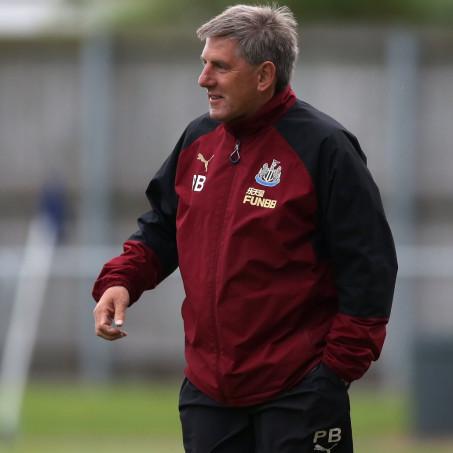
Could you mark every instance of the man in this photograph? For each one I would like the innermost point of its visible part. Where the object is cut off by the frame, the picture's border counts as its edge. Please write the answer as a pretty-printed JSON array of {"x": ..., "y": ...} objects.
[{"x": 287, "y": 260}]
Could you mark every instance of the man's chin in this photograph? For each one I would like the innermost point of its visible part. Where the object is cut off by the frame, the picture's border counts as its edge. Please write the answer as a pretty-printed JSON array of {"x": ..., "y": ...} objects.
[
  {"x": 225, "y": 117},
  {"x": 216, "y": 115}
]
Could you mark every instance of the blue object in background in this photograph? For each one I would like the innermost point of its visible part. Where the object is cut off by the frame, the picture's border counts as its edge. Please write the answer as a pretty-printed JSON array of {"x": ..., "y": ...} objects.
[{"x": 53, "y": 205}]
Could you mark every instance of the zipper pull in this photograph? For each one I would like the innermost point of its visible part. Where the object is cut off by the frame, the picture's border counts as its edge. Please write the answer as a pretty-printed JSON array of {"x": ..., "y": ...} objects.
[{"x": 235, "y": 157}]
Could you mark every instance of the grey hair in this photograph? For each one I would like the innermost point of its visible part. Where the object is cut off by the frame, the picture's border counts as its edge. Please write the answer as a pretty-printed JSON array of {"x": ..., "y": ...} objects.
[{"x": 264, "y": 33}]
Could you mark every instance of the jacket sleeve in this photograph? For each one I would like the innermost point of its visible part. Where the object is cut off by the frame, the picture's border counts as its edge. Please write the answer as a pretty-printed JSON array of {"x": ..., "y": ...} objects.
[
  {"x": 362, "y": 253},
  {"x": 150, "y": 254}
]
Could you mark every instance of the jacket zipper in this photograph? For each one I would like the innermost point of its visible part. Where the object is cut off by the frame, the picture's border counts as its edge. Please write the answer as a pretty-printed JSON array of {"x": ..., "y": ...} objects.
[{"x": 235, "y": 157}]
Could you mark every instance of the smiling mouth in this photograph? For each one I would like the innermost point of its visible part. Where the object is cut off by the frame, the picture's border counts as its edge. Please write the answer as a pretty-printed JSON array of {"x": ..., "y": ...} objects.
[{"x": 214, "y": 97}]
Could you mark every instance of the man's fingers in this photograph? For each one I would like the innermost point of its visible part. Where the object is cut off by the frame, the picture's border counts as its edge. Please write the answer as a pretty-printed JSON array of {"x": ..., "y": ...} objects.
[
  {"x": 110, "y": 309},
  {"x": 105, "y": 329},
  {"x": 109, "y": 332},
  {"x": 120, "y": 313}
]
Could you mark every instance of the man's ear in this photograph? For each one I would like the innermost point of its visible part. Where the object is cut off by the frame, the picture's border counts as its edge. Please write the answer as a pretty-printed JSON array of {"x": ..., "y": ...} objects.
[{"x": 267, "y": 75}]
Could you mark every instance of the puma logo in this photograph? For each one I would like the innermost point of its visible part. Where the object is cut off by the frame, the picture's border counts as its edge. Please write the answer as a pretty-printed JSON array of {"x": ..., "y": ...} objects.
[
  {"x": 321, "y": 448},
  {"x": 206, "y": 162}
]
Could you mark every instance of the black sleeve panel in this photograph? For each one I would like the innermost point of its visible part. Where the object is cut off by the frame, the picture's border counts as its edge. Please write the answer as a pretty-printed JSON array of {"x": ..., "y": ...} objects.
[
  {"x": 352, "y": 232},
  {"x": 357, "y": 236},
  {"x": 157, "y": 227}
]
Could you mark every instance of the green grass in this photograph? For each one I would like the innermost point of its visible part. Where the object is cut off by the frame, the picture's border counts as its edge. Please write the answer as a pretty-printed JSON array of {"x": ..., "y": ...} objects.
[
  {"x": 118, "y": 411},
  {"x": 139, "y": 418},
  {"x": 132, "y": 419},
  {"x": 382, "y": 424},
  {"x": 378, "y": 414}
]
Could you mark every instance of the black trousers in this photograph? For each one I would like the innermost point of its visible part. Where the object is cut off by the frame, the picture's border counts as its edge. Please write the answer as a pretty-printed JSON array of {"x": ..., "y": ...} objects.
[{"x": 312, "y": 417}]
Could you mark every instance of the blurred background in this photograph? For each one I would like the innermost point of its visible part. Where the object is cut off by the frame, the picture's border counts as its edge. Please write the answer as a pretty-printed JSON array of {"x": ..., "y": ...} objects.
[{"x": 93, "y": 97}]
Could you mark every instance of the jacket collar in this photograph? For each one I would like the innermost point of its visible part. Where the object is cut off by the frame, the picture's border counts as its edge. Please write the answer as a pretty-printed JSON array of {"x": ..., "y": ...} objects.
[{"x": 269, "y": 113}]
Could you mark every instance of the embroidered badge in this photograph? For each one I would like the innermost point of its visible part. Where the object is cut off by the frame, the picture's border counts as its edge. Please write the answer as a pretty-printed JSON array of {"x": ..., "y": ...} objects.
[{"x": 269, "y": 176}]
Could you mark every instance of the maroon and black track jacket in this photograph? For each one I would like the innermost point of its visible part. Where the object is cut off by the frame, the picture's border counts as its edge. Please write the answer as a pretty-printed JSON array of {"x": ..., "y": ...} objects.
[{"x": 285, "y": 253}]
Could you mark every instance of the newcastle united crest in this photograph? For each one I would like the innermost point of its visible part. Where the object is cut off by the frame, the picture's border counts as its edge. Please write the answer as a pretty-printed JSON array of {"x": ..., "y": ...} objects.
[{"x": 269, "y": 176}]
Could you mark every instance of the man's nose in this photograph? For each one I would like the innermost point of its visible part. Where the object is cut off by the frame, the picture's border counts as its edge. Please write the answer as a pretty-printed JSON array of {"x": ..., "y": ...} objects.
[{"x": 205, "y": 79}]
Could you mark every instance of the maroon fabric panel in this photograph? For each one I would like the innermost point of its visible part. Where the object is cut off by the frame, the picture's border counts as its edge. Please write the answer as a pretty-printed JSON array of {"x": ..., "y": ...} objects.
[{"x": 137, "y": 269}]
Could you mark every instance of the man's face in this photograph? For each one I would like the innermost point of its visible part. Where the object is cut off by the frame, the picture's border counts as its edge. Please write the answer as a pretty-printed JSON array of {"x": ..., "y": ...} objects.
[{"x": 230, "y": 81}]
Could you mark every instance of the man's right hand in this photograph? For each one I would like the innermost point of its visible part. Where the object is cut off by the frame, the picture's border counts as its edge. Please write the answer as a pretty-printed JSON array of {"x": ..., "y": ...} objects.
[{"x": 111, "y": 308}]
